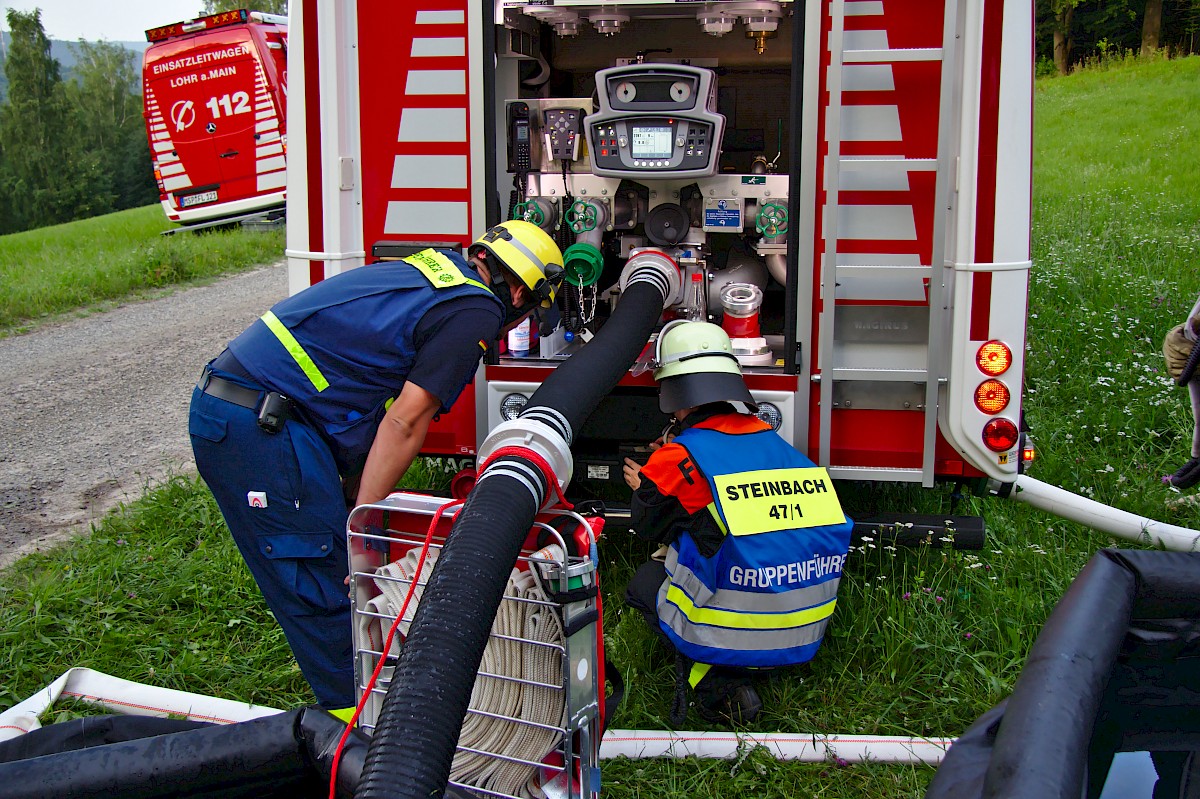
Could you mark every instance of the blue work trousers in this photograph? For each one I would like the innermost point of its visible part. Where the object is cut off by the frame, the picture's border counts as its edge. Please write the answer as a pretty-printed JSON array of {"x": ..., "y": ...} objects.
[{"x": 281, "y": 495}]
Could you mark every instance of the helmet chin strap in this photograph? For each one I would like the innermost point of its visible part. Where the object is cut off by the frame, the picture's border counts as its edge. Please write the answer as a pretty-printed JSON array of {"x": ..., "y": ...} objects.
[
  {"x": 503, "y": 292},
  {"x": 499, "y": 286}
]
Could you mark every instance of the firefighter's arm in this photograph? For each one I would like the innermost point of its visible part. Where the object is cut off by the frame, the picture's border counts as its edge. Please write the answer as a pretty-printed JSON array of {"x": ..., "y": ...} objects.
[{"x": 397, "y": 442}]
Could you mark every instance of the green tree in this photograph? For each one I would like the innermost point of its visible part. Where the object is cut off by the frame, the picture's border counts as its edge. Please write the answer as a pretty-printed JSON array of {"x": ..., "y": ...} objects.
[
  {"x": 107, "y": 105},
  {"x": 49, "y": 176},
  {"x": 33, "y": 123},
  {"x": 1151, "y": 26},
  {"x": 267, "y": 6},
  {"x": 1063, "y": 11}
]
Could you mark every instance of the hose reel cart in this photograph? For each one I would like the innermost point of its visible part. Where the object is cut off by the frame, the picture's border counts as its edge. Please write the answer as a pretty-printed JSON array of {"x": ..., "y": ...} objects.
[{"x": 535, "y": 717}]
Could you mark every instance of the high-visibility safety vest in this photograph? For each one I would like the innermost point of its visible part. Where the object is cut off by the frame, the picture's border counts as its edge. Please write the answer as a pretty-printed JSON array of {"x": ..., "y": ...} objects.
[
  {"x": 342, "y": 349},
  {"x": 765, "y": 598}
]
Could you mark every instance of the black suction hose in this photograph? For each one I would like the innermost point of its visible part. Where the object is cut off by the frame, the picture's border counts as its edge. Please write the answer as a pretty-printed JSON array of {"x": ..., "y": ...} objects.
[
  {"x": 579, "y": 383},
  {"x": 422, "y": 715}
]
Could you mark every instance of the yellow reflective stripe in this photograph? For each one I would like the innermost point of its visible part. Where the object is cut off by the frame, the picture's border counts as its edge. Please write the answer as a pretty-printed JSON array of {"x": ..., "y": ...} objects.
[
  {"x": 440, "y": 271},
  {"x": 716, "y": 514},
  {"x": 344, "y": 714},
  {"x": 749, "y": 621},
  {"x": 296, "y": 351},
  {"x": 697, "y": 673}
]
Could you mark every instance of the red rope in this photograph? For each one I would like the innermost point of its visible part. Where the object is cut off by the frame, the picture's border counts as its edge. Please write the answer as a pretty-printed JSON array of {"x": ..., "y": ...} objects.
[
  {"x": 387, "y": 646},
  {"x": 538, "y": 461}
]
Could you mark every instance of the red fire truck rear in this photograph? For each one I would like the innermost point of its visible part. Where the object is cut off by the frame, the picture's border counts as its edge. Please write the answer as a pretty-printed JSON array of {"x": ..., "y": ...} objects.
[
  {"x": 843, "y": 184},
  {"x": 215, "y": 93}
]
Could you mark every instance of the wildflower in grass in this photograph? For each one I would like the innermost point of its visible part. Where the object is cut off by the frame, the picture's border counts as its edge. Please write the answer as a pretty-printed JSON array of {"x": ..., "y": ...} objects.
[
  {"x": 907, "y": 596},
  {"x": 968, "y": 636},
  {"x": 940, "y": 598}
]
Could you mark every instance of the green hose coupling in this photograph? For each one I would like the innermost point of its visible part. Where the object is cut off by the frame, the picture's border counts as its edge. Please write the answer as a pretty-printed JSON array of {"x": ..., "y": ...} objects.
[
  {"x": 581, "y": 216},
  {"x": 582, "y": 264},
  {"x": 529, "y": 212},
  {"x": 772, "y": 219}
]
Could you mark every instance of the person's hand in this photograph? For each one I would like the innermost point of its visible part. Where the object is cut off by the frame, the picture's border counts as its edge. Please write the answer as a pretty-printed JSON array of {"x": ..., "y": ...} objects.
[{"x": 632, "y": 470}]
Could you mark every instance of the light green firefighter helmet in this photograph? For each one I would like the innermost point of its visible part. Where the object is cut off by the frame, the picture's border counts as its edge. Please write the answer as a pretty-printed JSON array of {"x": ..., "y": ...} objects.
[{"x": 696, "y": 366}]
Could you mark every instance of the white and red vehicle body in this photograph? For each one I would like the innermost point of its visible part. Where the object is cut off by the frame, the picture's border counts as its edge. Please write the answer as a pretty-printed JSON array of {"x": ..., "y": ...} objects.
[
  {"x": 903, "y": 131},
  {"x": 215, "y": 94}
]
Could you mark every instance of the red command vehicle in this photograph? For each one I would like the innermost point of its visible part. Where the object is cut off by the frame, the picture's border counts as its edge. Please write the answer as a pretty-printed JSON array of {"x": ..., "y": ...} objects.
[{"x": 215, "y": 93}]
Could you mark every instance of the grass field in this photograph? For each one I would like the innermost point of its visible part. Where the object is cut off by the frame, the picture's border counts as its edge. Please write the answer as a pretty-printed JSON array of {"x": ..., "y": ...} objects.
[
  {"x": 65, "y": 268},
  {"x": 924, "y": 640}
]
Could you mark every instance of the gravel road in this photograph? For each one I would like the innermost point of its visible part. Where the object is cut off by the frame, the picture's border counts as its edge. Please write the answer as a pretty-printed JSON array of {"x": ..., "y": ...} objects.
[{"x": 94, "y": 410}]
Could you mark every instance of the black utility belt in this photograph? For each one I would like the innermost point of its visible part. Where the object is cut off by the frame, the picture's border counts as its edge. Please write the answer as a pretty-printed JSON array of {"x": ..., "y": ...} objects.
[{"x": 273, "y": 408}]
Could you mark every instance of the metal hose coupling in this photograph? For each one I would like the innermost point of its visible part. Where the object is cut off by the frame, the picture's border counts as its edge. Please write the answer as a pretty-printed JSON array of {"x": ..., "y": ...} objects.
[
  {"x": 546, "y": 447},
  {"x": 656, "y": 268}
]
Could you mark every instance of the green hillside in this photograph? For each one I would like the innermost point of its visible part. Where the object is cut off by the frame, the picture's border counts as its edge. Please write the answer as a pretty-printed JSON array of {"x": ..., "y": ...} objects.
[{"x": 61, "y": 51}]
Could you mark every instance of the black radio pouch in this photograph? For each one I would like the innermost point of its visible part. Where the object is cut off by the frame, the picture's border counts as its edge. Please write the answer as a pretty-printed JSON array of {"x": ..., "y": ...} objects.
[{"x": 273, "y": 412}]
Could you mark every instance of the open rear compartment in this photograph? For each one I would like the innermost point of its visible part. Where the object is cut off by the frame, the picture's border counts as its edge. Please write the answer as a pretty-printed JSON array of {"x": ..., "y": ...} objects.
[{"x": 640, "y": 134}]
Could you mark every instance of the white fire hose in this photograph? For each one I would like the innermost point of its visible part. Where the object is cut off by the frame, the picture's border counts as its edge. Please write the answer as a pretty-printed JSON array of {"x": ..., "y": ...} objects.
[
  {"x": 1105, "y": 518},
  {"x": 515, "y": 675}
]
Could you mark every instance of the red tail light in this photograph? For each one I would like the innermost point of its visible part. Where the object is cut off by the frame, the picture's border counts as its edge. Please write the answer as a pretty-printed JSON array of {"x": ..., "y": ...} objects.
[
  {"x": 1000, "y": 435},
  {"x": 993, "y": 358},
  {"x": 992, "y": 396}
]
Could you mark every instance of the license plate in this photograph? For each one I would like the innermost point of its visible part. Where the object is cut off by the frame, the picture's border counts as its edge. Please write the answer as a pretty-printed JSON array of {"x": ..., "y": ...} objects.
[{"x": 198, "y": 199}]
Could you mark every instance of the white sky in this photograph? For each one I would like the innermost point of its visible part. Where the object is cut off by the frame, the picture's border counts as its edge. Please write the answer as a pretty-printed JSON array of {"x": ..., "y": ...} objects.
[{"x": 120, "y": 21}]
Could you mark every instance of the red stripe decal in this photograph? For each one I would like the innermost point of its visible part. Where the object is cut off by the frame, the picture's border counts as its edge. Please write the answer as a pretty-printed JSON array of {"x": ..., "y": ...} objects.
[
  {"x": 312, "y": 132},
  {"x": 985, "y": 198}
]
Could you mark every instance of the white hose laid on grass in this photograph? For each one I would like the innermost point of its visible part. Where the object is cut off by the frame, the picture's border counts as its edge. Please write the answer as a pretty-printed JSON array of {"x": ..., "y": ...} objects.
[
  {"x": 132, "y": 698},
  {"x": 513, "y": 676},
  {"x": 805, "y": 747},
  {"x": 1105, "y": 518},
  {"x": 127, "y": 698}
]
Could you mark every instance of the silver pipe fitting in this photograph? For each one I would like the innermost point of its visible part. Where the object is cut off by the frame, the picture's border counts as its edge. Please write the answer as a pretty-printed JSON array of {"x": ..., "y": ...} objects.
[{"x": 541, "y": 439}]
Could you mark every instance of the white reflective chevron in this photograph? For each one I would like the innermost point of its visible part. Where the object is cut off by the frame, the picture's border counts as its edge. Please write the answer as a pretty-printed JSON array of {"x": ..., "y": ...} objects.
[
  {"x": 436, "y": 81},
  {"x": 433, "y": 124},
  {"x": 429, "y": 172},
  {"x": 453, "y": 17},
  {"x": 426, "y": 218},
  {"x": 440, "y": 47}
]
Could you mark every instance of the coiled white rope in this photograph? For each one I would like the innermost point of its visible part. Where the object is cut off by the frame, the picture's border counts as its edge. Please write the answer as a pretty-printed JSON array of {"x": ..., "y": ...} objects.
[{"x": 485, "y": 741}]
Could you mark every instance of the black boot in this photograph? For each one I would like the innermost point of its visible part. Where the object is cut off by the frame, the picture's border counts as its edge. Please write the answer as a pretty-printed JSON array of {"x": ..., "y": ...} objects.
[
  {"x": 727, "y": 700},
  {"x": 1186, "y": 475}
]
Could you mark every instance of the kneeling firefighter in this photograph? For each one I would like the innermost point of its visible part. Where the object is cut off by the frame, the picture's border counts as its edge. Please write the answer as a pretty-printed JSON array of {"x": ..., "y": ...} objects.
[
  {"x": 754, "y": 535},
  {"x": 326, "y": 400}
]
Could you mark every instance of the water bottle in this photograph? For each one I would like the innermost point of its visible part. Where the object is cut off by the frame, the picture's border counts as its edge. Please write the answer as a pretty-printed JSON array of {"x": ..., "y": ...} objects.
[{"x": 521, "y": 338}]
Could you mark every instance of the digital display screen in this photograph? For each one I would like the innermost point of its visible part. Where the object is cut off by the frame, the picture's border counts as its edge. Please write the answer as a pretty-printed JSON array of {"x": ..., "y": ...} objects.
[
  {"x": 522, "y": 133},
  {"x": 650, "y": 142}
]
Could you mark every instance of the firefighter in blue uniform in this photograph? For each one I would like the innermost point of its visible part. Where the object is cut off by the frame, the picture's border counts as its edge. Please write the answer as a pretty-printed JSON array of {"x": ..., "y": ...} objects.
[
  {"x": 326, "y": 400},
  {"x": 753, "y": 533}
]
